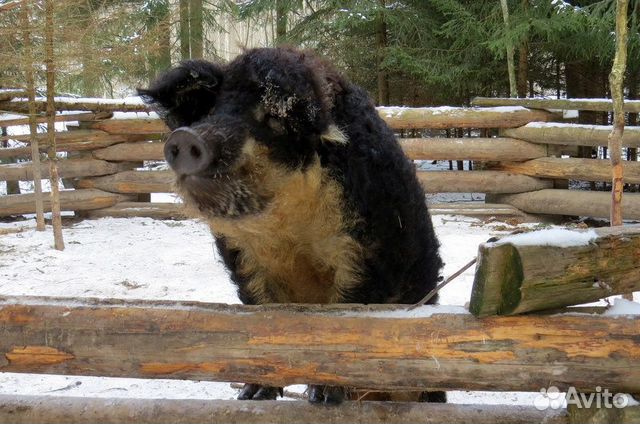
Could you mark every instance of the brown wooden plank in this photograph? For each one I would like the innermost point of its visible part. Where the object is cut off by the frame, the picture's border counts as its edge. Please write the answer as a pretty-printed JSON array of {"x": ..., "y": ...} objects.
[
  {"x": 127, "y": 126},
  {"x": 142, "y": 209},
  {"x": 368, "y": 346},
  {"x": 69, "y": 103},
  {"x": 131, "y": 151}
]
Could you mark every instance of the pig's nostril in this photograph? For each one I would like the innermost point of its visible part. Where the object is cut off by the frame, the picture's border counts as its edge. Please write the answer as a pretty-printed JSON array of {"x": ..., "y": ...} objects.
[
  {"x": 174, "y": 151},
  {"x": 195, "y": 152}
]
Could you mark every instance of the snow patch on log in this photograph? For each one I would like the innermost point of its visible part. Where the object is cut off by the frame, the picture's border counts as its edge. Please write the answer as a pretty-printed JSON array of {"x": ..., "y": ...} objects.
[
  {"x": 623, "y": 307},
  {"x": 556, "y": 237}
]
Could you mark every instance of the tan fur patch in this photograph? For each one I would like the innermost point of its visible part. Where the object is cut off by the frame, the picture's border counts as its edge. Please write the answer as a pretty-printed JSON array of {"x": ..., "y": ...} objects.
[{"x": 298, "y": 249}]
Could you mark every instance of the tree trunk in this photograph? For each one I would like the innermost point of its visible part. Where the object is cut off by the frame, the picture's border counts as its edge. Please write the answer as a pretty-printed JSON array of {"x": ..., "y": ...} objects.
[
  {"x": 25, "y": 18},
  {"x": 381, "y": 46},
  {"x": 281, "y": 23},
  {"x": 511, "y": 70},
  {"x": 196, "y": 28},
  {"x": 616, "y": 82},
  {"x": 185, "y": 33},
  {"x": 523, "y": 61},
  {"x": 159, "y": 21},
  {"x": 51, "y": 112}
]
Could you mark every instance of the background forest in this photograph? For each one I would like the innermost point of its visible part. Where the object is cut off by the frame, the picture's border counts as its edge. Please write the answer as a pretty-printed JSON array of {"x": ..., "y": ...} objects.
[{"x": 405, "y": 52}]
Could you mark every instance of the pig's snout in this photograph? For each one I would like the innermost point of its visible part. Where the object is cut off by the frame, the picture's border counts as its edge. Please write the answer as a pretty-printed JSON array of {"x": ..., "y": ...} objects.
[{"x": 186, "y": 152}]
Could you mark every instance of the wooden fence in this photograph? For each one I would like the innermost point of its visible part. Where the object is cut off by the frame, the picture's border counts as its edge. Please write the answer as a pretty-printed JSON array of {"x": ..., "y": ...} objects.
[
  {"x": 376, "y": 347},
  {"x": 521, "y": 158}
]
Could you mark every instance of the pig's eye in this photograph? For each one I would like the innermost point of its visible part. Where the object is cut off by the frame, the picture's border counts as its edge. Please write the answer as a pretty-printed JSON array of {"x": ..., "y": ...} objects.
[{"x": 275, "y": 125}]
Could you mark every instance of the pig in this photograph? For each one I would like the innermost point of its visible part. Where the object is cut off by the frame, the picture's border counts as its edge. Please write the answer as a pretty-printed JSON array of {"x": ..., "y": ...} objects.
[{"x": 306, "y": 190}]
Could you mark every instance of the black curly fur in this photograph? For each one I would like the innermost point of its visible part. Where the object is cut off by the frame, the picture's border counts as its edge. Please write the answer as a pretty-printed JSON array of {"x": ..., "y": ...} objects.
[{"x": 378, "y": 181}]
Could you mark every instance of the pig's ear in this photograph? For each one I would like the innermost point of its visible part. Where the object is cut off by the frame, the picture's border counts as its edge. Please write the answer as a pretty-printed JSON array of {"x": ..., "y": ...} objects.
[{"x": 186, "y": 93}]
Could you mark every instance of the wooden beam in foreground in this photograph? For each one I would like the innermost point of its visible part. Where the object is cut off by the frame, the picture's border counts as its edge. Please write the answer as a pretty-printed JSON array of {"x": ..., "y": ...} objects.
[
  {"x": 74, "y": 410},
  {"x": 370, "y": 347},
  {"x": 571, "y": 134},
  {"x": 555, "y": 268},
  {"x": 70, "y": 200}
]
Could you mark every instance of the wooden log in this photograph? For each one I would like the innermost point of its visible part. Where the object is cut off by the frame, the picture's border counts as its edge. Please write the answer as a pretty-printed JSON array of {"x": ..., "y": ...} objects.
[
  {"x": 127, "y": 126},
  {"x": 601, "y": 415},
  {"x": 571, "y": 134},
  {"x": 10, "y": 5},
  {"x": 571, "y": 202},
  {"x": 70, "y": 200},
  {"x": 479, "y": 182},
  {"x": 132, "y": 182},
  {"x": 602, "y": 105},
  {"x": 571, "y": 169},
  {"x": 480, "y": 149},
  {"x": 131, "y": 151},
  {"x": 68, "y": 136},
  {"x": 71, "y": 103},
  {"x": 477, "y": 209},
  {"x": 140, "y": 209},
  {"x": 381, "y": 347},
  {"x": 552, "y": 268},
  {"x": 84, "y": 116},
  {"x": 459, "y": 117},
  {"x": 67, "y": 168},
  {"x": 76, "y": 410},
  {"x": 8, "y": 93}
]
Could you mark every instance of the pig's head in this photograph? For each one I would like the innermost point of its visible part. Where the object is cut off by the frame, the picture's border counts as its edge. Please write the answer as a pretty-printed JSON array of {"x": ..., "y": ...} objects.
[{"x": 238, "y": 129}]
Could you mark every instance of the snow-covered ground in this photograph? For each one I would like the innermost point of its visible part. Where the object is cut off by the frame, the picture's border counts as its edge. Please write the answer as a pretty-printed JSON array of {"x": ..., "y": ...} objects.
[{"x": 143, "y": 258}]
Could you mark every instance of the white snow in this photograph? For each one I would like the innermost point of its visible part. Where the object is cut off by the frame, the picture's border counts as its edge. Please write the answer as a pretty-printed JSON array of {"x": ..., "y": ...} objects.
[
  {"x": 142, "y": 258},
  {"x": 135, "y": 115},
  {"x": 623, "y": 307},
  {"x": 557, "y": 237}
]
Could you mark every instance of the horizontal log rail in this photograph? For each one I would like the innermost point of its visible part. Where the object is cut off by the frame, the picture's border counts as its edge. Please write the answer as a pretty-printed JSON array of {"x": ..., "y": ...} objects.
[
  {"x": 571, "y": 169},
  {"x": 76, "y": 104},
  {"x": 132, "y": 182},
  {"x": 75, "y": 410},
  {"x": 477, "y": 149},
  {"x": 459, "y": 117},
  {"x": 67, "y": 117},
  {"x": 571, "y": 134},
  {"x": 67, "y": 168},
  {"x": 602, "y": 105},
  {"x": 8, "y": 94},
  {"x": 571, "y": 202},
  {"x": 380, "y": 347},
  {"x": 70, "y": 200},
  {"x": 140, "y": 209},
  {"x": 479, "y": 182}
]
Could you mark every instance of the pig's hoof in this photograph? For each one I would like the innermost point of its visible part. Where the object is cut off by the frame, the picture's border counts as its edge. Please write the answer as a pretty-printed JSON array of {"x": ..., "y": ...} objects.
[
  {"x": 258, "y": 392},
  {"x": 327, "y": 395}
]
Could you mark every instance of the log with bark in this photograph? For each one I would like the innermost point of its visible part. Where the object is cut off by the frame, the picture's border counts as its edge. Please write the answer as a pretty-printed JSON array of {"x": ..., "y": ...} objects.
[
  {"x": 132, "y": 182},
  {"x": 479, "y": 182},
  {"x": 601, "y": 105},
  {"x": 67, "y": 117},
  {"x": 8, "y": 94},
  {"x": 458, "y": 117},
  {"x": 570, "y": 169},
  {"x": 596, "y": 204},
  {"x": 479, "y": 149},
  {"x": 555, "y": 268},
  {"x": 140, "y": 209},
  {"x": 67, "y": 168},
  {"x": 80, "y": 104},
  {"x": 70, "y": 200},
  {"x": 131, "y": 151},
  {"x": 381, "y": 347},
  {"x": 571, "y": 134}
]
